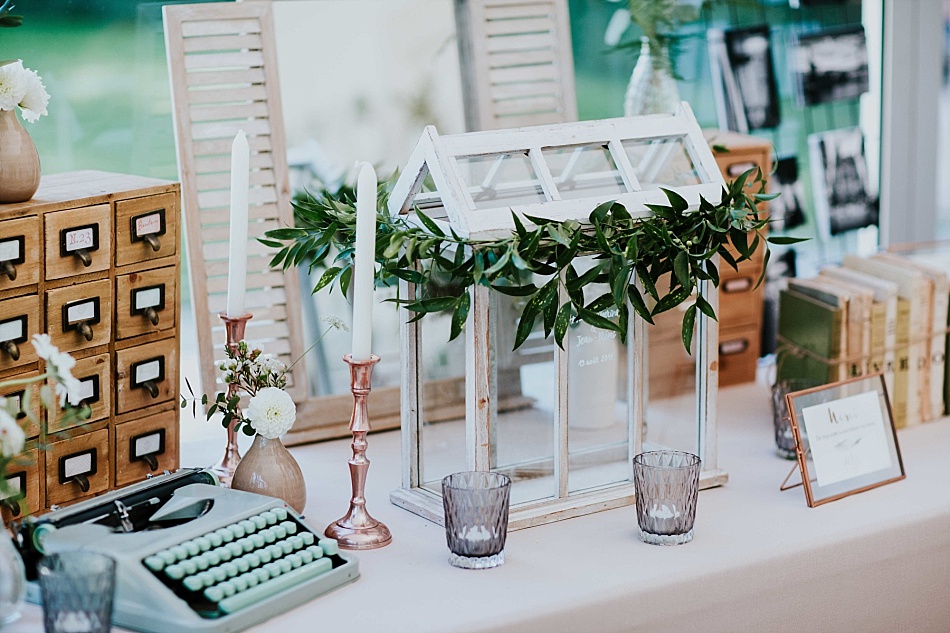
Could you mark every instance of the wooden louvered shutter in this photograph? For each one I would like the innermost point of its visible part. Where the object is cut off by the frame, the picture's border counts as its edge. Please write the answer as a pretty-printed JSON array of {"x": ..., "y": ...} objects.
[
  {"x": 223, "y": 66},
  {"x": 517, "y": 63}
]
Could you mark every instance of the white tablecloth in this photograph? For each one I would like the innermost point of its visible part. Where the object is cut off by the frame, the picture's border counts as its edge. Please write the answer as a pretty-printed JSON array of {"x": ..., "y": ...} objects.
[{"x": 761, "y": 561}]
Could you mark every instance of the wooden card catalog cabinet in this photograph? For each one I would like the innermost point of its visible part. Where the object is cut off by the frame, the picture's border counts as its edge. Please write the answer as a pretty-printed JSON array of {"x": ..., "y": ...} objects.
[
  {"x": 564, "y": 424},
  {"x": 93, "y": 260}
]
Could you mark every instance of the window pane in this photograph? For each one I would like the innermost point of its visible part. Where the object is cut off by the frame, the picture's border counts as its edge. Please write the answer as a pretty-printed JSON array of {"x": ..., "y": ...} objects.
[
  {"x": 584, "y": 171},
  {"x": 662, "y": 162},
  {"x": 597, "y": 406},
  {"x": 499, "y": 180}
]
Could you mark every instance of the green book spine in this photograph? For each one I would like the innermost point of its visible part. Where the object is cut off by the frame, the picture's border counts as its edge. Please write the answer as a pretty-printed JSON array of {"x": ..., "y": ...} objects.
[{"x": 812, "y": 326}]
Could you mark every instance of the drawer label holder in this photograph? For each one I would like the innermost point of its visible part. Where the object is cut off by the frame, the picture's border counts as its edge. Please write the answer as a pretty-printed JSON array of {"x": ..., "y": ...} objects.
[
  {"x": 12, "y": 253},
  {"x": 12, "y": 333},
  {"x": 16, "y": 490},
  {"x": 79, "y": 241},
  {"x": 146, "y": 227},
  {"x": 146, "y": 447},
  {"x": 147, "y": 373},
  {"x": 79, "y": 467},
  {"x": 148, "y": 302},
  {"x": 81, "y": 315}
]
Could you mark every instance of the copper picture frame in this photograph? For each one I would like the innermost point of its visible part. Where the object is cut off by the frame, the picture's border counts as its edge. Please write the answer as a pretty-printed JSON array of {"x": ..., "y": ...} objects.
[{"x": 844, "y": 416}]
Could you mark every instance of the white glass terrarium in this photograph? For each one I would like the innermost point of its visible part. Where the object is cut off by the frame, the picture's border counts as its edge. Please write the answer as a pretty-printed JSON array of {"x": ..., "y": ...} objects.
[{"x": 564, "y": 424}]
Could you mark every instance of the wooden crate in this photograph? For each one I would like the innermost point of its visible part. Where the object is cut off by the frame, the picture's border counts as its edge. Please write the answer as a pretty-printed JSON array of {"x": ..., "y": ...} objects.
[{"x": 105, "y": 287}]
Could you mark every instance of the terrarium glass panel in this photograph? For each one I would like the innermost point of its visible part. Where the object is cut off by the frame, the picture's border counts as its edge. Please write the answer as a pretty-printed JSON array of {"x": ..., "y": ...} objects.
[
  {"x": 498, "y": 180},
  {"x": 583, "y": 171},
  {"x": 670, "y": 405},
  {"x": 442, "y": 427},
  {"x": 523, "y": 437},
  {"x": 662, "y": 162},
  {"x": 597, "y": 400}
]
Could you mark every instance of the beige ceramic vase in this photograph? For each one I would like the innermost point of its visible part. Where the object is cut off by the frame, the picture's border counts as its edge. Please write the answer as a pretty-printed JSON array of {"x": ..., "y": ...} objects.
[
  {"x": 19, "y": 162},
  {"x": 269, "y": 469}
]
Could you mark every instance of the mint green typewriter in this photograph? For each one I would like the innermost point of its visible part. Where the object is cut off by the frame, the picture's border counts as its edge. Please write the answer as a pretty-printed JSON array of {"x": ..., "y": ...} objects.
[{"x": 193, "y": 556}]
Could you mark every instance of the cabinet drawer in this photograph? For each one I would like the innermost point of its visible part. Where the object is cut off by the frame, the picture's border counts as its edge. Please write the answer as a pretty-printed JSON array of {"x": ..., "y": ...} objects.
[
  {"x": 95, "y": 375},
  {"x": 78, "y": 241},
  {"x": 19, "y": 320},
  {"x": 738, "y": 354},
  {"x": 146, "y": 228},
  {"x": 77, "y": 467},
  {"x": 19, "y": 252},
  {"x": 146, "y": 446},
  {"x": 80, "y": 316},
  {"x": 23, "y": 476},
  {"x": 17, "y": 393},
  {"x": 145, "y": 302},
  {"x": 740, "y": 302},
  {"x": 146, "y": 375}
]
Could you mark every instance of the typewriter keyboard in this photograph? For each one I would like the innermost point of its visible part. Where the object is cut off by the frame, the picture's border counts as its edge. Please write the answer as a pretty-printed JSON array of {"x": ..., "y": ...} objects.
[{"x": 241, "y": 564}]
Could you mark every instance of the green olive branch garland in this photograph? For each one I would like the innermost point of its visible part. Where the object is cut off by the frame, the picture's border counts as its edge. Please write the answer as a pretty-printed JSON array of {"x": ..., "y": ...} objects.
[{"x": 630, "y": 254}]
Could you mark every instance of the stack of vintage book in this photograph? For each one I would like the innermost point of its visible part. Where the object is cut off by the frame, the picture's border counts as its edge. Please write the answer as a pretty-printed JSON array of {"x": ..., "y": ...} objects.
[{"x": 887, "y": 313}]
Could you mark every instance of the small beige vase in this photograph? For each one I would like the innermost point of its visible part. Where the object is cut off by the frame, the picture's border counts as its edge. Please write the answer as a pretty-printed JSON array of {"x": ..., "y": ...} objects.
[
  {"x": 19, "y": 161},
  {"x": 269, "y": 469}
]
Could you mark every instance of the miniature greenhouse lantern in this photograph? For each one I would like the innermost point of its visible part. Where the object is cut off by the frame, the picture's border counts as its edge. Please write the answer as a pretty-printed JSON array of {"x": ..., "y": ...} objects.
[{"x": 564, "y": 424}]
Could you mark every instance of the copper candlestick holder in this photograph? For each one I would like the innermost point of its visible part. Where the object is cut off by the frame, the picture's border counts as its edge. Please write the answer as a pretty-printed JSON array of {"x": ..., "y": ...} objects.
[
  {"x": 358, "y": 530},
  {"x": 224, "y": 469}
]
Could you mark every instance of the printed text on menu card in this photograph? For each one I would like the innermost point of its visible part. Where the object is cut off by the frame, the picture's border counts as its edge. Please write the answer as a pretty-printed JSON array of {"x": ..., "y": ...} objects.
[{"x": 848, "y": 438}]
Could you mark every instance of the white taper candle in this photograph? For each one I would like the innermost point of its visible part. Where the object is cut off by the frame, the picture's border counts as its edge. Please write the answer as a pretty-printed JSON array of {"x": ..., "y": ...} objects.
[
  {"x": 363, "y": 273},
  {"x": 237, "y": 249}
]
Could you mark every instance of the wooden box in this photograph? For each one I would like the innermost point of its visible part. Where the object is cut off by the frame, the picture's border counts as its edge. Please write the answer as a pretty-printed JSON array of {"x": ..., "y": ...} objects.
[{"x": 105, "y": 287}]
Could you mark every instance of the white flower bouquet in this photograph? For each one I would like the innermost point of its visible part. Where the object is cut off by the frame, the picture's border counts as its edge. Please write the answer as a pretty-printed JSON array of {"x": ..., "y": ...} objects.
[
  {"x": 23, "y": 88},
  {"x": 14, "y": 415},
  {"x": 271, "y": 411}
]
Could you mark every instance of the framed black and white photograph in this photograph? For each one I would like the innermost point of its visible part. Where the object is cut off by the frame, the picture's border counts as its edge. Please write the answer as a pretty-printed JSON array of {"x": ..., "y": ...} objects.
[
  {"x": 831, "y": 65},
  {"x": 730, "y": 111},
  {"x": 788, "y": 210},
  {"x": 843, "y": 200},
  {"x": 749, "y": 51}
]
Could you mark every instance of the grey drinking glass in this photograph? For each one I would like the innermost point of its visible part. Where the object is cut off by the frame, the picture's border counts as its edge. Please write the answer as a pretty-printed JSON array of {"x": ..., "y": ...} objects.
[
  {"x": 78, "y": 590},
  {"x": 667, "y": 486},
  {"x": 476, "y": 518},
  {"x": 784, "y": 438}
]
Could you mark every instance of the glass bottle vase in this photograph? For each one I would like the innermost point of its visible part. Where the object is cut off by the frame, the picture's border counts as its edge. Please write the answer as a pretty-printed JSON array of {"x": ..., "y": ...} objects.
[
  {"x": 12, "y": 580},
  {"x": 652, "y": 88}
]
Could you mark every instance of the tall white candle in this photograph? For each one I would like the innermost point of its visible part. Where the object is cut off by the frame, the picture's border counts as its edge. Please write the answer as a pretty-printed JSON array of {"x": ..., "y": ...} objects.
[
  {"x": 365, "y": 262},
  {"x": 237, "y": 250}
]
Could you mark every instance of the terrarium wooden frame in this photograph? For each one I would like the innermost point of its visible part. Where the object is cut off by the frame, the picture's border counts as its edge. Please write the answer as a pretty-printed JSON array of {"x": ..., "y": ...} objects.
[{"x": 451, "y": 205}]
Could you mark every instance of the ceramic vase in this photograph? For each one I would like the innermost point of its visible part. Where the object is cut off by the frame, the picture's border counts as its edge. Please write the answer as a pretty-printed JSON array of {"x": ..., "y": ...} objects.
[
  {"x": 652, "y": 88},
  {"x": 12, "y": 580},
  {"x": 19, "y": 162},
  {"x": 269, "y": 469}
]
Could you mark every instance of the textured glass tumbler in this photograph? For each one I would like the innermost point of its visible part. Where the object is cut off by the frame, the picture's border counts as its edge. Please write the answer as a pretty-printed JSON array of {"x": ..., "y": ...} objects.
[
  {"x": 666, "y": 485},
  {"x": 476, "y": 518},
  {"x": 784, "y": 438},
  {"x": 78, "y": 588}
]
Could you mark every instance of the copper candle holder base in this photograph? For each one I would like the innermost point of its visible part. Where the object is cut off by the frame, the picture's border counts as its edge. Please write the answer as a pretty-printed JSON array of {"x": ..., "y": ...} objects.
[
  {"x": 224, "y": 469},
  {"x": 357, "y": 529}
]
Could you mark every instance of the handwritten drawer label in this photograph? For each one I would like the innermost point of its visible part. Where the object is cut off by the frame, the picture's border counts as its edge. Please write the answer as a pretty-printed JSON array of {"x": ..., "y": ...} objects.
[
  {"x": 13, "y": 329},
  {"x": 737, "y": 346},
  {"x": 151, "y": 443},
  {"x": 148, "y": 370},
  {"x": 16, "y": 484},
  {"x": 83, "y": 237},
  {"x": 151, "y": 223},
  {"x": 151, "y": 297},
  {"x": 83, "y": 463},
  {"x": 739, "y": 284},
  {"x": 12, "y": 250}
]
